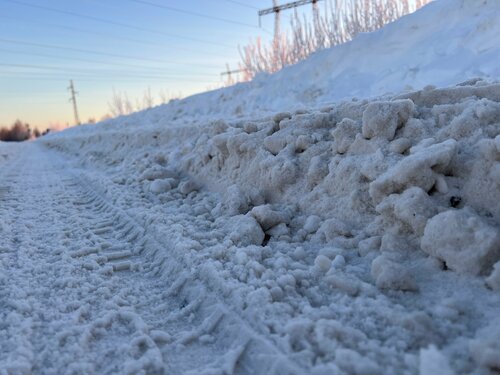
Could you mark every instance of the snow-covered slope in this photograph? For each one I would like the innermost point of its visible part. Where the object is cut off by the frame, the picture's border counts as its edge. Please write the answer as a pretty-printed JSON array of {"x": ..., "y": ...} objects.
[{"x": 444, "y": 43}]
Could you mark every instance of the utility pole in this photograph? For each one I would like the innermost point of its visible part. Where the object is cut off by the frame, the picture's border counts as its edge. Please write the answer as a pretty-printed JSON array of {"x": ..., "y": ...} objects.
[{"x": 71, "y": 88}]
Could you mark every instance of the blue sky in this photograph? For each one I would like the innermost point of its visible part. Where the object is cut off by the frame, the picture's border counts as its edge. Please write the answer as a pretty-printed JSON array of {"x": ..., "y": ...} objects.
[{"x": 45, "y": 43}]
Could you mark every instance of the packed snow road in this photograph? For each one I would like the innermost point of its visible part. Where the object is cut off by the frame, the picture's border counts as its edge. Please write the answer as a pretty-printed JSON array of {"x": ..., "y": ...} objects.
[{"x": 78, "y": 295}]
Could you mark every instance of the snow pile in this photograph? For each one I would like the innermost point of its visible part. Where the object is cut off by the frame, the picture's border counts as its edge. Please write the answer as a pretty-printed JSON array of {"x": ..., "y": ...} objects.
[{"x": 363, "y": 237}]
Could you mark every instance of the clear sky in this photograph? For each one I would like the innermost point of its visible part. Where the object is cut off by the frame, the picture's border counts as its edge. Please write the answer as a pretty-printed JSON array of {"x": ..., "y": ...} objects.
[{"x": 125, "y": 45}]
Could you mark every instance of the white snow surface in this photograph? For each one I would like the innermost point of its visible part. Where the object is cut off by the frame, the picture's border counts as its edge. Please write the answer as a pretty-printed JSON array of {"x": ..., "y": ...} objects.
[{"x": 354, "y": 237}]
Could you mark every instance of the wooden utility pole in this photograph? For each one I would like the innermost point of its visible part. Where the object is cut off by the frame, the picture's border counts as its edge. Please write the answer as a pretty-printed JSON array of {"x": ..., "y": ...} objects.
[{"x": 71, "y": 88}]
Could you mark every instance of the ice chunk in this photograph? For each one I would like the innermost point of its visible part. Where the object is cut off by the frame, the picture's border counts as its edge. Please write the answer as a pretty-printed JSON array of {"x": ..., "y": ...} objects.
[{"x": 463, "y": 240}]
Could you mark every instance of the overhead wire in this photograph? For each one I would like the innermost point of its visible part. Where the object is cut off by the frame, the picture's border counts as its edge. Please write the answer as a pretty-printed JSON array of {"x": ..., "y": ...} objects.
[
  {"x": 77, "y": 71},
  {"x": 111, "y": 22},
  {"x": 108, "y": 79},
  {"x": 65, "y": 48},
  {"x": 242, "y": 4},
  {"x": 116, "y": 37},
  {"x": 188, "y": 12},
  {"x": 159, "y": 69}
]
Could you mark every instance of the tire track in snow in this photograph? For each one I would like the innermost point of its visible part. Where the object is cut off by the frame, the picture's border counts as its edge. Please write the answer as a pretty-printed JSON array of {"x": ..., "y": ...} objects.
[
  {"x": 196, "y": 291},
  {"x": 90, "y": 293}
]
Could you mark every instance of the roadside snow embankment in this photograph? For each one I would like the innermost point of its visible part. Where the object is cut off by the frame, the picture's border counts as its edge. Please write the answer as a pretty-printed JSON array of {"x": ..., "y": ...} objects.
[{"x": 344, "y": 222}]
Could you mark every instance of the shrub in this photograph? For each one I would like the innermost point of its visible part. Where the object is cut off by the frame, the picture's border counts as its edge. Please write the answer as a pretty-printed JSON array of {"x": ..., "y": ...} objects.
[{"x": 339, "y": 23}]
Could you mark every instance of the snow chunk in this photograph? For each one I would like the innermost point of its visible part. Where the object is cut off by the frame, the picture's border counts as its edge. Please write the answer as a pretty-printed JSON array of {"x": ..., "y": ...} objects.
[
  {"x": 344, "y": 134},
  {"x": 236, "y": 201},
  {"x": 413, "y": 208},
  {"x": 312, "y": 224},
  {"x": 162, "y": 186},
  {"x": 485, "y": 349},
  {"x": 391, "y": 275},
  {"x": 433, "y": 362},
  {"x": 338, "y": 262},
  {"x": 157, "y": 172},
  {"x": 354, "y": 363},
  {"x": 420, "y": 169},
  {"x": 493, "y": 280},
  {"x": 463, "y": 240},
  {"x": 332, "y": 228},
  {"x": 400, "y": 145},
  {"x": 186, "y": 187},
  {"x": 245, "y": 231},
  {"x": 267, "y": 217},
  {"x": 382, "y": 119},
  {"x": 322, "y": 263}
]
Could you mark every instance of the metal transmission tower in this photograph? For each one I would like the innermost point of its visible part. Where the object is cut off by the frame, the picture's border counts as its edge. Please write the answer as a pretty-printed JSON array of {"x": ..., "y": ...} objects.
[
  {"x": 71, "y": 88},
  {"x": 278, "y": 8}
]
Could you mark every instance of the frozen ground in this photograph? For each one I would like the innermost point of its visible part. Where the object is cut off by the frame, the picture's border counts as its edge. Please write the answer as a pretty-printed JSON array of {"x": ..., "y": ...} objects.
[{"x": 358, "y": 237}]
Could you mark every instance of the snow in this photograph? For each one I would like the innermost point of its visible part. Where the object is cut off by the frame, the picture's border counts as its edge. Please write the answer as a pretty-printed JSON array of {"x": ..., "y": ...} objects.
[
  {"x": 271, "y": 227},
  {"x": 463, "y": 240},
  {"x": 415, "y": 52},
  {"x": 285, "y": 227}
]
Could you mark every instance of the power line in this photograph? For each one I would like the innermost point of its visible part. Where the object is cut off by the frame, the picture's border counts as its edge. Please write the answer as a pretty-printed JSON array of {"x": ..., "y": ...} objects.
[
  {"x": 89, "y": 61},
  {"x": 242, "y": 4},
  {"x": 64, "y": 48},
  {"x": 110, "y": 36},
  {"x": 91, "y": 73},
  {"x": 172, "y": 9},
  {"x": 110, "y": 22},
  {"x": 109, "y": 79}
]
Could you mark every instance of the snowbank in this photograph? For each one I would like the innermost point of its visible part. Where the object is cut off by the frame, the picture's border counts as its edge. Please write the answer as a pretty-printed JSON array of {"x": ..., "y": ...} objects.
[{"x": 376, "y": 204}]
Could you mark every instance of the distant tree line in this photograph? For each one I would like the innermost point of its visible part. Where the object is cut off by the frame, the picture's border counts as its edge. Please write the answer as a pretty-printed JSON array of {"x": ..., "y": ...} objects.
[{"x": 19, "y": 131}]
